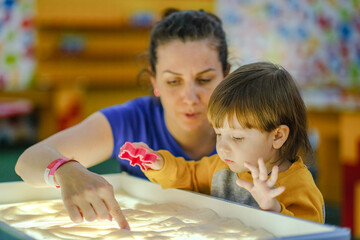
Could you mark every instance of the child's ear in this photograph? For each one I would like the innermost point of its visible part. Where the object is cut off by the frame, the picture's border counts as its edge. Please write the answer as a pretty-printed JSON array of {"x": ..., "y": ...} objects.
[{"x": 280, "y": 135}]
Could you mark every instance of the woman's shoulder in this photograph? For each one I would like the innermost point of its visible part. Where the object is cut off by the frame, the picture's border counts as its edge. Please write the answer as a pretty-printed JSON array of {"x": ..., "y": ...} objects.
[
  {"x": 148, "y": 100},
  {"x": 142, "y": 104},
  {"x": 142, "y": 111}
]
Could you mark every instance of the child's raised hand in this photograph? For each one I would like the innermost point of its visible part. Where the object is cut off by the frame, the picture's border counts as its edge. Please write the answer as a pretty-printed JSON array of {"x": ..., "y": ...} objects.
[
  {"x": 140, "y": 154},
  {"x": 262, "y": 188}
]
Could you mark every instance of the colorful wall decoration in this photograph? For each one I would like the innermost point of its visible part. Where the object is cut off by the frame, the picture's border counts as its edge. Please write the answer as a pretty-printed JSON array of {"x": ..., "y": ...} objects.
[
  {"x": 317, "y": 41},
  {"x": 17, "y": 61}
]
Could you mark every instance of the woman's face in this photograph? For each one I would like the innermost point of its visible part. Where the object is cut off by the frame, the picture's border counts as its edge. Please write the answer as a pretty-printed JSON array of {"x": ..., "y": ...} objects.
[{"x": 186, "y": 75}]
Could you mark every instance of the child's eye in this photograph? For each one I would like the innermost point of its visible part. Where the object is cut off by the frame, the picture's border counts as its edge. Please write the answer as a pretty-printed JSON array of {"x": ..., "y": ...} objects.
[
  {"x": 218, "y": 134},
  {"x": 239, "y": 139}
]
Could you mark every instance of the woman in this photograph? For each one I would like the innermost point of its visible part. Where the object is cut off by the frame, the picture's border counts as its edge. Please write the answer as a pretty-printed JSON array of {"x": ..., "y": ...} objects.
[{"x": 188, "y": 59}]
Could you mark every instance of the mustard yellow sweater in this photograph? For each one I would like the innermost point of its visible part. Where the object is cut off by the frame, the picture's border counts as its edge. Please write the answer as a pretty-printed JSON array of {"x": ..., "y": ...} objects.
[{"x": 210, "y": 175}]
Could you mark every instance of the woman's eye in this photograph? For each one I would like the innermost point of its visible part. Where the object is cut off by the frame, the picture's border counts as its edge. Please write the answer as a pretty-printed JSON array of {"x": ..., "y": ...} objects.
[
  {"x": 204, "y": 80},
  {"x": 173, "y": 81}
]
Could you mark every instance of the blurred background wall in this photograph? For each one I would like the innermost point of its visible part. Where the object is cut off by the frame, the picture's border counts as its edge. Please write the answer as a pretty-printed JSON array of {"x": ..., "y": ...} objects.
[{"x": 62, "y": 60}]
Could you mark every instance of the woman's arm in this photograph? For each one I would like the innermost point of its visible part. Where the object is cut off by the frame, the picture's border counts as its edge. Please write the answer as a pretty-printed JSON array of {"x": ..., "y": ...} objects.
[
  {"x": 85, "y": 194},
  {"x": 89, "y": 142}
]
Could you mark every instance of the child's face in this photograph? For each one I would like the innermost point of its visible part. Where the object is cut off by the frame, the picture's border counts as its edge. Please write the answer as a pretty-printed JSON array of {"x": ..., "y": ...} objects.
[{"x": 238, "y": 145}]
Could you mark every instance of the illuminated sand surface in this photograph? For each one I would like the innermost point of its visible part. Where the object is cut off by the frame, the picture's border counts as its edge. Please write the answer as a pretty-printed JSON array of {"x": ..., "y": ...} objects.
[{"x": 49, "y": 220}]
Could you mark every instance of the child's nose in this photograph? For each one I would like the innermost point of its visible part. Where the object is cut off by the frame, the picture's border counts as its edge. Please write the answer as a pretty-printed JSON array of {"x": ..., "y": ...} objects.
[{"x": 223, "y": 147}]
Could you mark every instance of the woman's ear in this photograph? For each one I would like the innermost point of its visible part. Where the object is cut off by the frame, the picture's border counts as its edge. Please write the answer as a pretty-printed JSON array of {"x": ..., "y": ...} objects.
[
  {"x": 152, "y": 77},
  {"x": 280, "y": 135},
  {"x": 227, "y": 70}
]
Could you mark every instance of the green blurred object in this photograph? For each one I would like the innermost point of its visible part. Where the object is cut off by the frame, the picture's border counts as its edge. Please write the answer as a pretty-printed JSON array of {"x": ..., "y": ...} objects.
[{"x": 9, "y": 156}]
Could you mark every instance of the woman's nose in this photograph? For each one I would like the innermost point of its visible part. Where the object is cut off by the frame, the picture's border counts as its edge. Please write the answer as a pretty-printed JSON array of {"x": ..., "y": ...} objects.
[{"x": 190, "y": 94}]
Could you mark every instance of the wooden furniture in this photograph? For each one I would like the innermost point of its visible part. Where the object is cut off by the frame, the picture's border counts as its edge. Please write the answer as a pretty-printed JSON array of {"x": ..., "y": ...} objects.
[
  {"x": 326, "y": 123},
  {"x": 43, "y": 105},
  {"x": 95, "y": 43},
  {"x": 338, "y": 159},
  {"x": 349, "y": 133},
  {"x": 87, "y": 55}
]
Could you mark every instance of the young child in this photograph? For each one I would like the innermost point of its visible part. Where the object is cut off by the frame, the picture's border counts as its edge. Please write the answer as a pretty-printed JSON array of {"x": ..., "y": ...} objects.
[{"x": 260, "y": 121}]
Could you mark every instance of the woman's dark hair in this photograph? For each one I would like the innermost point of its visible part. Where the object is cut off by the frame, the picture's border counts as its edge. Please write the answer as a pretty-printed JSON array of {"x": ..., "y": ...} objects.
[
  {"x": 263, "y": 96},
  {"x": 191, "y": 25},
  {"x": 188, "y": 25}
]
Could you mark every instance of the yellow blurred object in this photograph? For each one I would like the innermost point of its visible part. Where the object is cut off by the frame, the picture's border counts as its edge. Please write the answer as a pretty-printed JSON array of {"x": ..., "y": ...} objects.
[
  {"x": 96, "y": 43},
  {"x": 68, "y": 107},
  {"x": 350, "y": 165},
  {"x": 350, "y": 135},
  {"x": 328, "y": 159},
  {"x": 108, "y": 13},
  {"x": 338, "y": 160},
  {"x": 122, "y": 43},
  {"x": 357, "y": 210},
  {"x": 88, "y": 73}
]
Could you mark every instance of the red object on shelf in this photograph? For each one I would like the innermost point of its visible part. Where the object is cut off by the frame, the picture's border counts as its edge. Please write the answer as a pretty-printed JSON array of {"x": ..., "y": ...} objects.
[{"x": 14, "y": 107}]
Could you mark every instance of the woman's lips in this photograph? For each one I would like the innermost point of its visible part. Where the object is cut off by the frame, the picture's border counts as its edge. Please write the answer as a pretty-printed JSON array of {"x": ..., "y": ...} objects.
[{"x": 191, "y": 115}]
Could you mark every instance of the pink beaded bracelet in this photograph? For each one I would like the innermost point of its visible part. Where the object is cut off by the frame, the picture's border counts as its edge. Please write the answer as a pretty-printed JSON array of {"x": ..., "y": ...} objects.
[{"x": 51, "y": 168}]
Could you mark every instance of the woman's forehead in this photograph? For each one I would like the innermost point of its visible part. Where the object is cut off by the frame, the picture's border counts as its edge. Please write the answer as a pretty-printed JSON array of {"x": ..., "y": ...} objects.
[
  {"x": 182, "y": 57},
  {"x": 177, "y": 49}
]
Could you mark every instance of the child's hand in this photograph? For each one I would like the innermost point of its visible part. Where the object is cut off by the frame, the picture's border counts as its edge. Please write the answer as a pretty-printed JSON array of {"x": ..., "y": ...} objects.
[
  {"x": 262, "y": 188},
  {"x": 140, "y": 154}
]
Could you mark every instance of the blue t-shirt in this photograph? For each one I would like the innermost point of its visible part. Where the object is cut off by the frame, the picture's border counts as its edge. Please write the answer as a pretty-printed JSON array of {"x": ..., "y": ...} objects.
[{"x": 141, "y": 120}]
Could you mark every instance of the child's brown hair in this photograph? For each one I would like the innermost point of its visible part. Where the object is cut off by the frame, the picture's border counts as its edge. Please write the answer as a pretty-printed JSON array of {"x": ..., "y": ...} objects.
[{"x": 263, "y": 96}]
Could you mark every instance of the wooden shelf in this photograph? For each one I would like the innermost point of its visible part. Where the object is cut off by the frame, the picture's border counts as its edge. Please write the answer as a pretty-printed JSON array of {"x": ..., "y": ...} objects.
[
  {"x": 37, "y": 97},
  {"x": 89, "y": 44},
  {"x": 43, "y": 103},
  {"x": 87, "y": 73},
  {"x": 108, "y": 13}
]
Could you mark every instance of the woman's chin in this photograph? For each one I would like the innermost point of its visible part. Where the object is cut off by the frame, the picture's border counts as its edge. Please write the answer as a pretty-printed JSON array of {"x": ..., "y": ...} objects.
[
  {"x": 193, "y": 126},
  {"x": 194, "y": 123}
]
